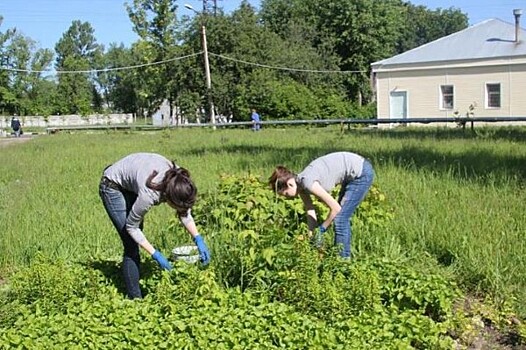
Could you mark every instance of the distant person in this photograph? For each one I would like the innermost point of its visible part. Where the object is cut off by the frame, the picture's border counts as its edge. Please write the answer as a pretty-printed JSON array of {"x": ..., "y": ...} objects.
[
  {"x": 256, "y": 121},
  {"x": 128, "y": 189},
  {"x": 16, "y": 126},
  {"x": 352, "y": 171}
]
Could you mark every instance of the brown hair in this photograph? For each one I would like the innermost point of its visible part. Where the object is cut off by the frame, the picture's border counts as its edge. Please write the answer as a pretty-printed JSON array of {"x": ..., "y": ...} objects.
[
  {"x": 278, "y": 180},
  {"x": 176, "y": 187}
]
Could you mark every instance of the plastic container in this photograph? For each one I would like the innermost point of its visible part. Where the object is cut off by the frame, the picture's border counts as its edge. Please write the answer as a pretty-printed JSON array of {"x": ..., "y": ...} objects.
[{"x": 187, "y": 253}]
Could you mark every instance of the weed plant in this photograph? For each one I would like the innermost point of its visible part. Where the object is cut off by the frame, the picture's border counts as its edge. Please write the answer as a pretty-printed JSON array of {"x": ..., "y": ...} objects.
[{"x": 446, "y": 210}]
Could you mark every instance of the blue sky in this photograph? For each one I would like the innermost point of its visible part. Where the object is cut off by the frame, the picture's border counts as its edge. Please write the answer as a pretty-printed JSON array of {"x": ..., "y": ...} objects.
[{"x": 46, "y": 20}]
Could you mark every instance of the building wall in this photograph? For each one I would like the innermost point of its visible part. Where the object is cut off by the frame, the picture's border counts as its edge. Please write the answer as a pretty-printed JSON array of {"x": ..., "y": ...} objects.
[{"x": 469, "y": 81}]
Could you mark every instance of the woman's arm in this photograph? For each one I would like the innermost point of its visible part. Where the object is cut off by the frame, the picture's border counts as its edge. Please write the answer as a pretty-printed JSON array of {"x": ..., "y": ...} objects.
[
  {"x": 189, "y": 224},
  {"x": 190, "y": 227},
  {"x": 312, "y": 221},
  {"x": 133, "y": 223},
  {"x": 147, "y": 246},
  {"x": 324, "y": 196}
]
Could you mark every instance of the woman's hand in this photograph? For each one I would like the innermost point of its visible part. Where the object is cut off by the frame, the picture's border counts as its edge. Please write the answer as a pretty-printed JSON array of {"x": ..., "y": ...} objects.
[
  {"x": 320, "y": 232},
  {"x": 161, "y": 260},
  {"x": 204, "y": 254}
]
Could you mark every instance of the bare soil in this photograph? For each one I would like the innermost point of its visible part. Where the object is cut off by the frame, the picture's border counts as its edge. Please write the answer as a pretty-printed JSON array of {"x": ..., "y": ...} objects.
[{"x": 8, "y": 141}]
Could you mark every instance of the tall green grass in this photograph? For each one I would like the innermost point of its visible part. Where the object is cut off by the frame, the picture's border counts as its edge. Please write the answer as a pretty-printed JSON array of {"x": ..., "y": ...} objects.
[{"x": 458, "y": 197}]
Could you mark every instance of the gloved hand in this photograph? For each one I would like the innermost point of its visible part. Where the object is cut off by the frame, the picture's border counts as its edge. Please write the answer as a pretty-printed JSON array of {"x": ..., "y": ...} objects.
[
  {"x": 318, "y": 239},
  {"x": 204, "y": 254},
  {"x": 163, "y": 262}
]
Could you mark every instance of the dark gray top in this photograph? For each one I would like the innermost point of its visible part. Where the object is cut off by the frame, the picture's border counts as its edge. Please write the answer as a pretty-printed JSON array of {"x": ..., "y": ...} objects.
[
  {"x": 331, "y": 170},
  {"x": 131, "y": 173}
]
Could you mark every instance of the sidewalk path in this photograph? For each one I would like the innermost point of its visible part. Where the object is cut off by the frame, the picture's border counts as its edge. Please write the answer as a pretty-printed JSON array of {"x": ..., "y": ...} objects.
[{"x": 6, "y": 141}]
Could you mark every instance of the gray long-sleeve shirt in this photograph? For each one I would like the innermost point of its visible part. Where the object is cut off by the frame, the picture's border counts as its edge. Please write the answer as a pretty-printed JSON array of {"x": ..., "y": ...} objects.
[
  {"x": 131, "y": 173},
  {"x": 331, "y": 170}
]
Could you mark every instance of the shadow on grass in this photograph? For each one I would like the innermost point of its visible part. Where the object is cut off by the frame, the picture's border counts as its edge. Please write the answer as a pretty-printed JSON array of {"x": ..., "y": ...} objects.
[
  {"x": 475, "y": 165},
  {"x": 515, "y": 134},
  {"x": 479, "y": 165},
  {"x": 112, "y": 271}
]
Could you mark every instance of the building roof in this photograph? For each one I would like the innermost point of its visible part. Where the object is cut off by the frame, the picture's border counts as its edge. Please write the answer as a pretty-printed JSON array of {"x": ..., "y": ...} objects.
[{"x": 492, "y": 38}]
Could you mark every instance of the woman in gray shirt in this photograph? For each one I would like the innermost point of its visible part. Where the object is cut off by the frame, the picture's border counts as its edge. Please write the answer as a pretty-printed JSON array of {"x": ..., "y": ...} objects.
[
  {"x": 352, "y": 171},
  {"x": 128, "y": 189}
]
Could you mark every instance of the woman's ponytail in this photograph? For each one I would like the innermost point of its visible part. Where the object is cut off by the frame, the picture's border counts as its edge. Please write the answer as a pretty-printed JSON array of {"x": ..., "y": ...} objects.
[{"x": 176, "y": 187}]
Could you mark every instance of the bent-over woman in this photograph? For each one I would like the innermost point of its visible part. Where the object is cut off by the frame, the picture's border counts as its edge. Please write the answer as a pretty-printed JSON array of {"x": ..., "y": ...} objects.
[
  {"x": 352, "y": 171},
  {"x": 128, "y": 189}
]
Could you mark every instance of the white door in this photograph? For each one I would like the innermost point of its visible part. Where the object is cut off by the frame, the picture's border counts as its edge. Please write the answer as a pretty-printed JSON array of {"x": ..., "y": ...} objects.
[{"x": 398, "y": 102}]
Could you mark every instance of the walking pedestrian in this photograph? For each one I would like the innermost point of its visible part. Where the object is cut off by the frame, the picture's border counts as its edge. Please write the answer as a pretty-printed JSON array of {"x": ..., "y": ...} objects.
[
  {"x": 16, "y": 126},
  {"x": 256, "y": 120}
]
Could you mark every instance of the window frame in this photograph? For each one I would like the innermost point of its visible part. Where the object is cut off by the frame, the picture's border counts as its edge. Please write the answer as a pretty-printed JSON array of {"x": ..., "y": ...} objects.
[
  {"x": 489, "y": 95},
  {"x": 442, "y": 104}
]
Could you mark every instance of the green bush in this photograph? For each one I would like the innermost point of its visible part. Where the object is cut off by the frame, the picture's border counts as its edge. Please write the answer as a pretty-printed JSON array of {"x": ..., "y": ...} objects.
[{"x": 266, "y": 288}]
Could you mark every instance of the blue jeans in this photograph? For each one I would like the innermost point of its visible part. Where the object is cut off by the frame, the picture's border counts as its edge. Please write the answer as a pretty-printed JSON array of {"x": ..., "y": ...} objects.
[
  {"x": 118, "y": 204},
  {"x": 351, "y": 195}
]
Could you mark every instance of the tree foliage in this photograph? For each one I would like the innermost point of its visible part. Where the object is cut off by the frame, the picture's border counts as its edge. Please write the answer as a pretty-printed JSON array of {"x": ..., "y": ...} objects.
[
  {"x": 293, "y": 59},
  {"x": 157, "y": 25},
  {"x": 77, "y": 50}
]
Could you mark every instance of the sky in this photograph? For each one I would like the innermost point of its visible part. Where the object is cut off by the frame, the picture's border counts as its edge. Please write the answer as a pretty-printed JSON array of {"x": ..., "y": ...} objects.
[{"x": 46, "y": 20}]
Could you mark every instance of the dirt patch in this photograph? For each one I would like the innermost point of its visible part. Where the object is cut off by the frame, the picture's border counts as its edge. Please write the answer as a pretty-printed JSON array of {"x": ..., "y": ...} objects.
[
  {"x": 483, "y": 333},
  {"x": 8, "y": 141}
]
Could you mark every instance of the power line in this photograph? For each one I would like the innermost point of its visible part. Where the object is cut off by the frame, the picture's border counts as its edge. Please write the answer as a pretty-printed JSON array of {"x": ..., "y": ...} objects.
[
  {"x": 181, "y": 58},
  {"x": 287, "y": 68},
  {"x": 102, "y": 70}
]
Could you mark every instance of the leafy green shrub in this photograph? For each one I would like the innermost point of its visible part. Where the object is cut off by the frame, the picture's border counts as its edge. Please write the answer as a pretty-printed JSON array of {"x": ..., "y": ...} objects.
[
  {"x": 254, "y": 231},
  {"x": 50, "y": 283},
  {"x": 267, "y": 288},
  {"x": 318, "y": 302},
  {"x": 246, "y": 203},
  {"x": 405, "y": 287}
]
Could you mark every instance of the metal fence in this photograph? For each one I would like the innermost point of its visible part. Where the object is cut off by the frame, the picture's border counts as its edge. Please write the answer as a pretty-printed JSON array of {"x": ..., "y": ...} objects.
[{"x": 343, "y": 122}]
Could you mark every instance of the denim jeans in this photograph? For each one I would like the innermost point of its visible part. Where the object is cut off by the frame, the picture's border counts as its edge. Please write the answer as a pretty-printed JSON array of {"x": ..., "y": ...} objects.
[
  {"x": 351, "y": 195},
  {"x": 118, "y": 205}
]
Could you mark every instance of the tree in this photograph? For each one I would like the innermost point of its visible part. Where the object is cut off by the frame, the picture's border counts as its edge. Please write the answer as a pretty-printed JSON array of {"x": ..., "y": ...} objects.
[
  {"x": 156, "y": 23},
  {"x": 7, "y": 98},
  {"x": 118, "y": 86},
  {"x": 359, "y": 32},
  {"x": 422, "y": 25},
  {"x": 77, "y": 50},
  {"x": 23, "y": 90},
  {"x": 27, "y": 82},
  {"x": 240, "y": 86}
]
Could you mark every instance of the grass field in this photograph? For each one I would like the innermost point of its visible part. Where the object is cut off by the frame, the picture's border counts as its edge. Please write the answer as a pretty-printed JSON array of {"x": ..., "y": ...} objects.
[{"x": 457, "y": 197}]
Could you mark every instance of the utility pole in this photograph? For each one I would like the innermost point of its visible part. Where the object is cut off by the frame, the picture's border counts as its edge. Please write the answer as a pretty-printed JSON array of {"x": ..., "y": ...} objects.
[{"x": 208, "y": 79}]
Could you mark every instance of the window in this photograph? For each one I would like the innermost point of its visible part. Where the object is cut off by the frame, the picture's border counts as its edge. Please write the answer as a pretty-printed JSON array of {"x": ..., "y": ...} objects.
[
  {"x": 446, "y": 96},
  {"x": 493, "y": 95}
]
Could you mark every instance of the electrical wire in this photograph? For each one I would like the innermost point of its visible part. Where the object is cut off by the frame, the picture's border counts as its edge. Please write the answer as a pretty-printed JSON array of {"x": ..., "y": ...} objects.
[
  {"x": 102, "y": 70},
  {"x": 181, "y": 58},
  {"x": 286, "y": 68}
]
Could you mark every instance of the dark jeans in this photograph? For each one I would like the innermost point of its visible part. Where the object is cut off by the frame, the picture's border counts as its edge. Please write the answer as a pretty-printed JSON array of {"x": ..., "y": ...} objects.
[
  {"x": 118, "y": 204},
  {"x": 351, "y": 195}
]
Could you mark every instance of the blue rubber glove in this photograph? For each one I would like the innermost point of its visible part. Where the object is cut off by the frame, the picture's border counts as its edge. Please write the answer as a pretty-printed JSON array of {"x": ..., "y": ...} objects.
[
  {"x": 204, "y": 254},
  {"x": 163, "y": 262},
  {"x": 319, "y": 236}
]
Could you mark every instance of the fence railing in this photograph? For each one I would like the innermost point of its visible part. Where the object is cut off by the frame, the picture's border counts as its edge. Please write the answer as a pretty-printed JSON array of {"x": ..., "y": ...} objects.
[{"x": 344, "y": 122}]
